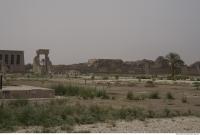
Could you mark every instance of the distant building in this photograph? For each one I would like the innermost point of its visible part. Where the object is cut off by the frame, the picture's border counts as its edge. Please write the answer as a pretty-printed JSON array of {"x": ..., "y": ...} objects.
[
  {"x": 73, "y": 73},
  {"x": 11, "y": 61}
]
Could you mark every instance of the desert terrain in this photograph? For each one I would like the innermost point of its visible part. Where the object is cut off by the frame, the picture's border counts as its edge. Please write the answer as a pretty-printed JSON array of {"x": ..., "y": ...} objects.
[{"x": 111, "y": 104}]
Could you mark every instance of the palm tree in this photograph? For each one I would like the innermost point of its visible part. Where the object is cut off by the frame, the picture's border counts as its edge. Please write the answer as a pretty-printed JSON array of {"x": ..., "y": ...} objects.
[{"x": 174, "y": 61}]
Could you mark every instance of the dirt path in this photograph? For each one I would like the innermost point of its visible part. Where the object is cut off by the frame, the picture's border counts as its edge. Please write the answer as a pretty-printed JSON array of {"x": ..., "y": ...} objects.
[{"x": 167, "y": 125}]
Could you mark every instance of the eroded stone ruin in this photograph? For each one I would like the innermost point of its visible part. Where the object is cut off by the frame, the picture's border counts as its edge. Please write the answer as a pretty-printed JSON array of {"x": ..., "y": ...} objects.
[
  {"x": 42, "y": 66},
  {"x": 149, "y": 67},
  {"x": 11, "y": 61}
]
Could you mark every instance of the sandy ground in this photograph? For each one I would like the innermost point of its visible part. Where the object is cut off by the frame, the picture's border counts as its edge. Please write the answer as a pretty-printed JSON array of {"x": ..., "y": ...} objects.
[{"x": 164, "y": 125}]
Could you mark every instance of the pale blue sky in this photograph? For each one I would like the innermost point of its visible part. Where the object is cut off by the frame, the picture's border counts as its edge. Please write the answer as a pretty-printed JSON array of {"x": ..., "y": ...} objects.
[{"x": 77, "y": 30}]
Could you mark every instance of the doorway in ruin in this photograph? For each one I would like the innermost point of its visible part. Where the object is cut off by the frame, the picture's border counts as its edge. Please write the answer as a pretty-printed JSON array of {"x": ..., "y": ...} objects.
[
  {"x": 42, "y": 59},
  {"x": 41, "y": 62}
]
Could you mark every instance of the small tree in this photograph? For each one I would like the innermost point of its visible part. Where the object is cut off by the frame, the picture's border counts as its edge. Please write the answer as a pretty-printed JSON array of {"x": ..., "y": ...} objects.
[{"x": 175, "y": 62}]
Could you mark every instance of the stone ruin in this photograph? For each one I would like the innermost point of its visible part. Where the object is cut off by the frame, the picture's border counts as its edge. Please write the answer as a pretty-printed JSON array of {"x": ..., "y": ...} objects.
[
  {"x": 42, "y": 66},
  {"x": 11, "y": 61},
  {"x": 159, "y": 66}
]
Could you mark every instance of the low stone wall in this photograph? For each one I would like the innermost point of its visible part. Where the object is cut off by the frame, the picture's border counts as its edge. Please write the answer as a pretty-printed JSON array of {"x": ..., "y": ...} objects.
[{"x": 26, "y": 94}]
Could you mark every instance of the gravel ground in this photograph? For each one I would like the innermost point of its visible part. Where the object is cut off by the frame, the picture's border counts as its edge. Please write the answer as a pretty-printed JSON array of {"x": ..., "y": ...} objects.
[{"x": 164, "y": 125}]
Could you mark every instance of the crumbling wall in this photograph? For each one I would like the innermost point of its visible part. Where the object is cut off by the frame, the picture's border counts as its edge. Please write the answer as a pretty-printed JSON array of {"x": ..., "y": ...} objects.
[{"x": 43, "y": 66}]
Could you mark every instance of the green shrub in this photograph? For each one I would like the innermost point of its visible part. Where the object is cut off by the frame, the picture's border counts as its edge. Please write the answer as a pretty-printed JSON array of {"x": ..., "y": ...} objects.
[
  {"x": 50, "y": 115},
  {"x": 131, "y": 96},
  {"x": 75, "y": 90},
  {"x": 86, "y": 93},
  {"x": 154, "y": 95},
  {"x": 130, "y": 114},
  {"x": 102, "y": 94},
  {"x": 169, "y": 96},
  {"x": 139, "y": 97}
]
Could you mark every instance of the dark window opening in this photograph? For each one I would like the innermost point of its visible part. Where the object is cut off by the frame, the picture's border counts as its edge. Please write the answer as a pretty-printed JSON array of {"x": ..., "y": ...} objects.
[
  {"x": 18, "y": 59},
  {"x": 12, "y": 59},
  {"x": 6, "y": 59},
  {"x": 0, "y": 67},
  {"x": 0, "y": 56}
]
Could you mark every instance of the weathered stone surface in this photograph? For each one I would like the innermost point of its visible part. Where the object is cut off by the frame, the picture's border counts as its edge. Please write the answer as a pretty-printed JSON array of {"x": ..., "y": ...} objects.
[
  {"x": 11, "y": 61},
  {"x": 193, "y": 69},
  {"x": 106, "y": 65},
  {"x": 64, "y": 69},
  {"x": 25, "y": 92},
  {"x": 43, "y": 66}
]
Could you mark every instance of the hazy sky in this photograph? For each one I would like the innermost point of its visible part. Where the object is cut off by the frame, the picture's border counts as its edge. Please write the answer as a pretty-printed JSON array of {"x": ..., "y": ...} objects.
[{"x": 77, "y": 30}]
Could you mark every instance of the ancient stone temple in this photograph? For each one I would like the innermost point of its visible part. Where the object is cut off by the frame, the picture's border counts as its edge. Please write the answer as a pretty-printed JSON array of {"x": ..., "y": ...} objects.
[
  {"x": 11, "y": 61},
  {"x": 42, "y": 66}
]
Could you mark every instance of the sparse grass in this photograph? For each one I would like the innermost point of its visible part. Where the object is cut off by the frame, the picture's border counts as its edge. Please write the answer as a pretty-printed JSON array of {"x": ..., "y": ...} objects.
[
  {"x": 181, "y": 77},
  {"x": 102, "y": 94},
  {"x": 154, "y": 95},
  {"x": 196, "y": 85},
  {"x": 105, "y": 78},
  {"x": 151, "y": 114},
  {"x": 19, "y": 102},
  {"x": 131, "y": 96},
  {"x": 113, "y": 97},
  {"x": 143, "y": 77},
  {"x": 66, "y": 116},
  {"x": 167, "y": 112},
  {"x": 131, "y": 84},
  {"x": 75, "y": 90},
  {"x": 169, "y": 96},
  {"x": 6, "y": 82},
  {"x": 149, "y": 84},
  {"x": 66, "y": 128},
  {"x": 184, "y": 99},
  {"x": 93, "y": 77},
  {"x": 117, "y": 77}
]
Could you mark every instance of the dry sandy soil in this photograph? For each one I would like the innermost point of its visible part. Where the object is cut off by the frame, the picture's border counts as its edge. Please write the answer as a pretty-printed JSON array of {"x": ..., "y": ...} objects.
[
  {"x": 167, "y": 125},
  {"x": 118, "y": 99},
  {"x": 119, "y": 92},
  {"x": 161, "y": 125}
]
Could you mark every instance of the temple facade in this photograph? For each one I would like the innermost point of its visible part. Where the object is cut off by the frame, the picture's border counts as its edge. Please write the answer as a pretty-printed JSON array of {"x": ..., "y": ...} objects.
[{"x": 11, "y": 61}]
